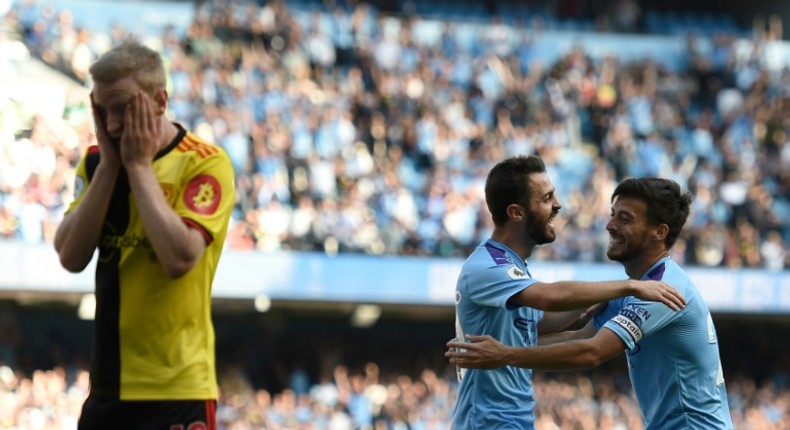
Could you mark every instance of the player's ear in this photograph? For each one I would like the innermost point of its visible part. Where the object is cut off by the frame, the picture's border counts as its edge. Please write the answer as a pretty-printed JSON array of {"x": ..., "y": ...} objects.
[
  {"x": 160, "y": 97},
  {"x": 515, "y": 212},
  {"x": 661, "y": 232}
]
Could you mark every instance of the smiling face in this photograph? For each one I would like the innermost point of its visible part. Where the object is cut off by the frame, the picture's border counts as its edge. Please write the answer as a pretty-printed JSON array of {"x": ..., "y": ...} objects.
[
  {"x": 630, "y": 234},
  {"x": 542, "y": 209}
]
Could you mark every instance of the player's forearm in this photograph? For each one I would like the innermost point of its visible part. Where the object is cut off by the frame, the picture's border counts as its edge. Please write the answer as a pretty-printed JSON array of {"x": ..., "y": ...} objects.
[
  {"x": 549, "y": 339},
  {"x": 78, "y": 234},
  {"x": 585, "y": 332},
  {"x": 564, "y": 356},
  {"x": 568, "y": 295},
  {"x": 177, "y": 247},
  {"x": 554, "y": 322}
]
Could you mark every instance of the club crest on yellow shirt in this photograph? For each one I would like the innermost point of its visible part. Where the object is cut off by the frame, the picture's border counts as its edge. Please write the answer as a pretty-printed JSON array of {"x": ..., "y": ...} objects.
[{"x": 203, "y": 194}]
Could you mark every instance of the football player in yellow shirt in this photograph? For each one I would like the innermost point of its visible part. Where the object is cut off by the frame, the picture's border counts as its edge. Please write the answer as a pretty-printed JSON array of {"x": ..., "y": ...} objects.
[{"x": 155, "y": 200}]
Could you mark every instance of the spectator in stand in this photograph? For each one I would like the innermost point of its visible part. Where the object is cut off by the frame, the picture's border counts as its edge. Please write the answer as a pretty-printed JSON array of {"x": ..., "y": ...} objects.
[
  {"x": 443, "y": 116},
  {"x": 52, "y": 399}
]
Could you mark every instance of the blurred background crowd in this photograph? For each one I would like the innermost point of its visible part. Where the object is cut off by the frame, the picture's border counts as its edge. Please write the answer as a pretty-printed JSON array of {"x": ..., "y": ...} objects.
[
  {"x": 352, "y": 130},
  {"x": 315, "y": 374},
  {"x": 324, "y": 378},
  {"x": 366, "y": 400}
]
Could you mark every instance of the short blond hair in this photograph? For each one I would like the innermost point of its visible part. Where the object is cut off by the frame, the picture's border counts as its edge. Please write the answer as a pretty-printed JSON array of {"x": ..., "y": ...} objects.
[{"x": 131, "y": 58}]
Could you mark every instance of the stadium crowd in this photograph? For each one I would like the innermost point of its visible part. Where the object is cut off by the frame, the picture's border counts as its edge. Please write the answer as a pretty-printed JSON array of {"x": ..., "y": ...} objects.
[
  {"x": 345, "y": 379},
  {"x": 364, "y": 399},
  {"x": 350, "y": 132}
]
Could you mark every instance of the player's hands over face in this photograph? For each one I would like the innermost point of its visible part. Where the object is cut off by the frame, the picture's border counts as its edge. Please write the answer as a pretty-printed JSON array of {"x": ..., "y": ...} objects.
[
  {"x": 108, "y": 150},
  {"x": 658, "y": 291},
  {"x": 142, "y": 130},
  {"x": 480, "y": 352}
]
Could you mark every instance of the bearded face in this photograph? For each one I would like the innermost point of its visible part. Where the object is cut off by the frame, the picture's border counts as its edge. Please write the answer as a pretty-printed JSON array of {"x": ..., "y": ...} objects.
[
  {"x": 540, "y": 227},
  {"x": 541, "y": 211}
]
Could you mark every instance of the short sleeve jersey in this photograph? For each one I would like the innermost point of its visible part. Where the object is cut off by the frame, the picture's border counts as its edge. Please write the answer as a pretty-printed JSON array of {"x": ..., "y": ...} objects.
[
  {"x": 673, "y": 357},
  {"x": 501, "y": 398},
  {"x": 153, "y": 336}
]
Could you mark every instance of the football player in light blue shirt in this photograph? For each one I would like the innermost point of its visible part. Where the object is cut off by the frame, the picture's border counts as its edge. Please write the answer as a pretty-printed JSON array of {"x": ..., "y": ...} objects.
[
  {"x": 496, "y": 295},
  {"x": 673, "y": 357}
]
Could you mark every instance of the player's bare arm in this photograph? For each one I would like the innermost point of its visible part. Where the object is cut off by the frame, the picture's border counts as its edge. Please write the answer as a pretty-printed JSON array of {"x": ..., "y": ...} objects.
[
  {"x": 177, "y": 246},
  {"x": 585, "y": 332},
  {"x": 78, "y": 234},
  {"x": 485, "y": 352},
  {"x": 569, "y": 295},
  {"x": 555, "y": 322}
]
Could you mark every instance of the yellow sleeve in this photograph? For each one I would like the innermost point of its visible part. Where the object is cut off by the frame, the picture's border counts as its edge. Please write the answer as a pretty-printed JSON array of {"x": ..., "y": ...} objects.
[
  {"x": 207, "y": 195},
  {"x": 81, "y": 178}
]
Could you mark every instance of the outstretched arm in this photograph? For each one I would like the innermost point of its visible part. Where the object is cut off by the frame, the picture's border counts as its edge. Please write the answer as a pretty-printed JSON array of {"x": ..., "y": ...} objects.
[
  {"x": 568, "y": 295},
  {"x": 485, "y": 352}
]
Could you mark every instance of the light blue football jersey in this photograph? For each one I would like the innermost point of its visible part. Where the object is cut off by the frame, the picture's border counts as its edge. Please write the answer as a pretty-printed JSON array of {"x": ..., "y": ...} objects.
[
  {"x": 500, "y": 398},
  {"x": 673, "y": 357}
]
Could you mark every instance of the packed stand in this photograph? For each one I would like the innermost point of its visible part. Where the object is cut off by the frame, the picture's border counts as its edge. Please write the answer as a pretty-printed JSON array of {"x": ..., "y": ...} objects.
[
  {"x": 366, "y": 400},
  {"x": 297, "y": 373},
  {"x": 349, "y": 134}
]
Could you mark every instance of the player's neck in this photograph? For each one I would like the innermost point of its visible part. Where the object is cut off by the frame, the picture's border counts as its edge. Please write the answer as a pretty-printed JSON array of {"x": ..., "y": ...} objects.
[
  {"x": 519, "y": 246},
  {"x": 637, "y": 267},
  {"x": 169, "y": 132}
]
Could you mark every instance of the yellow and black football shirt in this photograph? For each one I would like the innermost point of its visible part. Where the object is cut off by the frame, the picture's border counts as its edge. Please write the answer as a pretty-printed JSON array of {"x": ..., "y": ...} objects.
[{"x": 154, "y": 338}]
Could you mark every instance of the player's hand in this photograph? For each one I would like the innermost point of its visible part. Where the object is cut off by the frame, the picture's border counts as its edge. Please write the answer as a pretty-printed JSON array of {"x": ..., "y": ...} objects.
[
  {"x": 142, "y": 130},
  {"x": 658, "y": 291},
  {"x": 480, "y": 352},
  {"x": 107, "y": 149}
]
